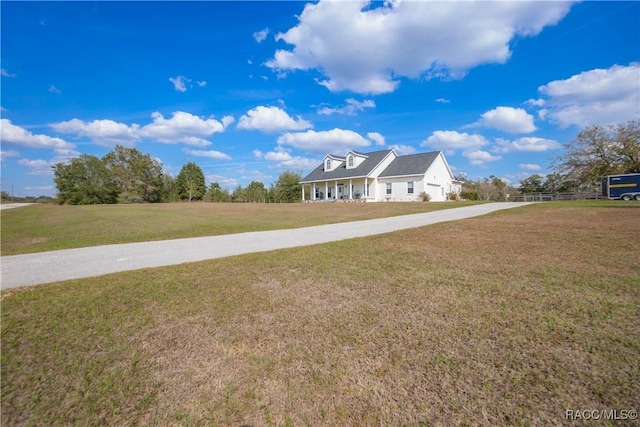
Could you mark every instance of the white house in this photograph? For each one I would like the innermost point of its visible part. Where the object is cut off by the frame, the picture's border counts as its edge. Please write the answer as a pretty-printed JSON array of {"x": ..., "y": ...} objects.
[{"x": 380, "y": 176}]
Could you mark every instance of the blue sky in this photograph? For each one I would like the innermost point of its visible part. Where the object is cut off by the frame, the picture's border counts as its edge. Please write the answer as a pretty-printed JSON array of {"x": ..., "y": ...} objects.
[{"x": 250, "y": 89}]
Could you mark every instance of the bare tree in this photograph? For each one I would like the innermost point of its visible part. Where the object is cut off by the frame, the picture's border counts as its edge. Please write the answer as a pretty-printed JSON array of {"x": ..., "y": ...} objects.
[{"x": 598, "y": 151}]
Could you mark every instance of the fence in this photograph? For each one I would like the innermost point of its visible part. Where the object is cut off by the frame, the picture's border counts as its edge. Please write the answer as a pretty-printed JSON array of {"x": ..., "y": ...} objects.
[{"x": 550, "y": 197}]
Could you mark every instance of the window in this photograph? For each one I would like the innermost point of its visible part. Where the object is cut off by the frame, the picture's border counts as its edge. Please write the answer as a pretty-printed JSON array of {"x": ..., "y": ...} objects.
[
  {"x": 350, "y": 162},
  {"x": 410, "y": 187},
  {"x": 388, "y": 188},
  {"x": 328, "y": 165}
]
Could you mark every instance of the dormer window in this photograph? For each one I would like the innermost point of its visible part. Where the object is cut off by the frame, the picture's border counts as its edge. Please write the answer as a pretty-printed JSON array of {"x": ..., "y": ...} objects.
[
  {"x": 350, "y": 162},
  {"x": 328, "y": 165}
]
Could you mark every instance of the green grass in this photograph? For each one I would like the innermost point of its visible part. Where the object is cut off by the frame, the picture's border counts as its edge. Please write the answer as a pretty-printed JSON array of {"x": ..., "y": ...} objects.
[
  {"x": 507, "y": 319},
  {"x": 41, "y": 228}
]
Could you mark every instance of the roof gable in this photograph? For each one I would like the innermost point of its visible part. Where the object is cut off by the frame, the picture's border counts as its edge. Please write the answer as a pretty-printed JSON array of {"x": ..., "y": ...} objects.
[
  {"x": 369, "y": 163},
  {"x": 413, "y": 164}
]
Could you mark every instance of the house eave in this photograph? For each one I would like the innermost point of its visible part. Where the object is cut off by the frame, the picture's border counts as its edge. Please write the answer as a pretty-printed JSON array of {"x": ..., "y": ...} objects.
[
  {"x": 420, "y": 174},
  {"x": 335, "y": 179}
]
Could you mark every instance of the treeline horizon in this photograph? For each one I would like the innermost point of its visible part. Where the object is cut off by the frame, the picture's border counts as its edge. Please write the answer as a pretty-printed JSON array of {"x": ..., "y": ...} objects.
[{"x": 125, "y": 175}]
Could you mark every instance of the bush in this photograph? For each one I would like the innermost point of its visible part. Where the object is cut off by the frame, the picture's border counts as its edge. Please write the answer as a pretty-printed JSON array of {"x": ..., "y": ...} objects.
[
  {"x": 425, "y": 196},
  {"x": 452, "y": 196},
  {"x": 469, "y": 195}
]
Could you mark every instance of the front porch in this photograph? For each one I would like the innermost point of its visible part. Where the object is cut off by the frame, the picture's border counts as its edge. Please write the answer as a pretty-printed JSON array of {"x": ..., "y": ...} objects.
[{"x": 340, "y": 190}]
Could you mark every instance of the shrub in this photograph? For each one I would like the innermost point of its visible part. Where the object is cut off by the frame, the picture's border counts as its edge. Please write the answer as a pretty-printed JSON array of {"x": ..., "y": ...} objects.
[
  {"x": 452, "y": 196},
  {"x": 469, "y": 195},
  {"x": 425, "y": 196}
]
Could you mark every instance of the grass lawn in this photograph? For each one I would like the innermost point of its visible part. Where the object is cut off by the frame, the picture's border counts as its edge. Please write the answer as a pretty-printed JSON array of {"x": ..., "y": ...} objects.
[
  {"x": 41, "y": 228},
  {"x": 510, "y": 318}
]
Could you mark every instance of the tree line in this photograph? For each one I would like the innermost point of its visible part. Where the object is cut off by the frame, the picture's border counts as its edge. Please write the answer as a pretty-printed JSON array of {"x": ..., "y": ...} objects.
[
  {"x": 286, "y": 189},
  {"x": 596, "y": 152},
  {"x": 125, "y": 175}
]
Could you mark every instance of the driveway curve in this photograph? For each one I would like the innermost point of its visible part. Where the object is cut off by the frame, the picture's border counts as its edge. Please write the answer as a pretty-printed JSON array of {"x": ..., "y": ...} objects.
[
  {"x": 54, "y": 266},
  {"x": 13, "y": 205}
]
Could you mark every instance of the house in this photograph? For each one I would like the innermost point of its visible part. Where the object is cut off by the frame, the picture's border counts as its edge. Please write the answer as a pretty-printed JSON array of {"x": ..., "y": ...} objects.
[{"x": 381, "y": 176}]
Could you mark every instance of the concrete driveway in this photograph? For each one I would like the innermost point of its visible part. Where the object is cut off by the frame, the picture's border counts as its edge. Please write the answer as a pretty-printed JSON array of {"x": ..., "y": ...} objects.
[
  {"x": 13, "y": 205},
  {"x": 47, "y": 267}
]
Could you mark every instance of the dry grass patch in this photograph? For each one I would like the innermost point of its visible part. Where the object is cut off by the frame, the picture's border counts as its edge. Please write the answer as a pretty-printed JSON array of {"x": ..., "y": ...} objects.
[
  {"x": 39, "y": 228},
  {"x": 506, "y": 319}
]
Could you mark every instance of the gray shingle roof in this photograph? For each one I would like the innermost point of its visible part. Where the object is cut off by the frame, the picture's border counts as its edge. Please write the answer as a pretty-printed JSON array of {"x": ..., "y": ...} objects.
[
  {"x": 363, "y": 169},
  {"x": 413, "y": 164}
]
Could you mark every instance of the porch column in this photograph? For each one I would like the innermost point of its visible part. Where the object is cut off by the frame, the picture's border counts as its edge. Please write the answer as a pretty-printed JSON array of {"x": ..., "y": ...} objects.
[
  {"x": 375, "y": 188},
  {"x": 366, "y": 187},
  {"x": 326, "y": 190},
  {"x": 350, "y": 189},
  {"x": 335, "y": 191},
  {"x": 313, "y": 191},
  {"x": 303, "y": 192}
]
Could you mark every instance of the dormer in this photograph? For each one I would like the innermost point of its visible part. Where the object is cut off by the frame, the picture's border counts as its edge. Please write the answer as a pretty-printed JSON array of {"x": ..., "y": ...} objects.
[
  {"x": 332, "y": 162},
  {"x": 354, "y": 159}
]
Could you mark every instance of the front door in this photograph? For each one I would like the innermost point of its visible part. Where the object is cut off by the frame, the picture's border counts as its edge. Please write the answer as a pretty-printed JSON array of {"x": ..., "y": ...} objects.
[{"x": 340, "y": 190}]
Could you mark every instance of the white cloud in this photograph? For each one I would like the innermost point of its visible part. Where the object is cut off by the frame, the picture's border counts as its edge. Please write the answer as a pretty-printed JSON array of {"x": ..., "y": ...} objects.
[
  {"x": 284, "y": 160},
  {"x": 403, "y": 150},
  {"x": 271, "y": 119},
  {"x": 179, "y": 83},
  {"x": 224, "y": 181},
  {"x": 102, "y": 132},
  {"x": 443, "y": 101},
  {"x": 376, "y": 137},
  {"x": 450, "y": 140},
  {"x": 54, "y": 89},
  {"x": 256, "y": 175},
  {"x": 529, "y": 143},
  {"x": 529, "y": 166},
  {"x": 212, "y": 154},
  {"x": 12, "y": 134},
  {"x": 323, "y": 142},
  {"x": 6, "y": 73},
  {"x": 599, "y": 96},
  {"x": 412, "y": 39},
  {"x": 350, "y": 109},
  {"x": 507, "y": 119},
  {"x": 261, "y": 35},
  {"x": 40, "y": 188},
  {"x": 227, "y": 120},
  {"x": 8, "y": 153},
  {"x": 64, "y": 154},
  {"x": 535, "y": 102},
  {"x": 479, "y": 157},
  {"x": 184, "y": 128},
  {"x": 37, "y": 166}
]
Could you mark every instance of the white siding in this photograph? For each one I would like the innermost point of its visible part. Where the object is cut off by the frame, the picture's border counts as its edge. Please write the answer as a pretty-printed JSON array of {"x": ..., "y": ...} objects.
[
  {"x": 335, "y": 163},
  {"x": 377, "y": 191},
  {"x": 436, "y": 182},
  {"x": 399, "y": 188},
  {"x": 439, "y": 180},
  {"x": 357, "y": 160}
]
